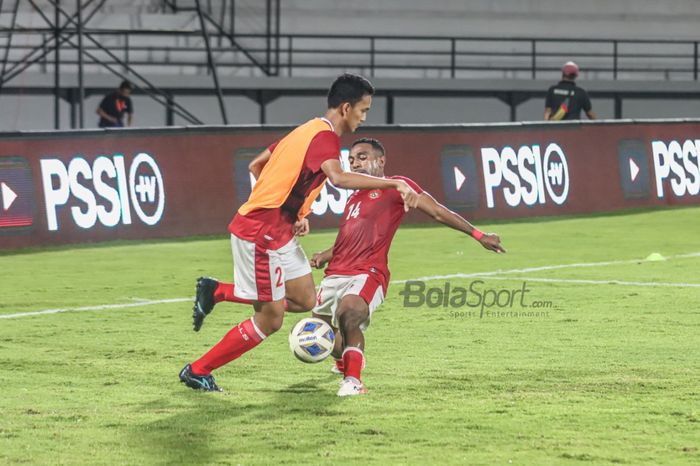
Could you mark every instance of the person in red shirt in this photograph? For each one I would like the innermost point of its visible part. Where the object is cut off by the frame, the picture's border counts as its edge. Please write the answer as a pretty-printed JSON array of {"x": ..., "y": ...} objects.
[
  {"x": 357, "y": 275},
  {"x": 270, "y": 269}
]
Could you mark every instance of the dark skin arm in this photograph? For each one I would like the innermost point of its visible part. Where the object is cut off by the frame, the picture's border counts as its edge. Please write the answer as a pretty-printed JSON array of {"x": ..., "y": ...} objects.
[{"x": 428, "y": 205}]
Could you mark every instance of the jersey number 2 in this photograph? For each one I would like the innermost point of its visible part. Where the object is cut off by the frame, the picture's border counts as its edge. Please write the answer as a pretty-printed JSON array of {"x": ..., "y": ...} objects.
[
  {"x": 278, "y": 272},
  {"x": 353, "y": 210}
]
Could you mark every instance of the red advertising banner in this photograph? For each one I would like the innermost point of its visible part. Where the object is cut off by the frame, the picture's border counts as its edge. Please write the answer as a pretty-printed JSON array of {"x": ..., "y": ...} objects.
[{"x": 74, "y": 187}]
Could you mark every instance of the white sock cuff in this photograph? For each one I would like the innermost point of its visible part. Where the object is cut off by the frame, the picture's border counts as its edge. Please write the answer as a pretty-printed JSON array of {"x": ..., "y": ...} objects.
[
  {"x": 354, "y": 348},
  {"x": 257, "y": 330}
]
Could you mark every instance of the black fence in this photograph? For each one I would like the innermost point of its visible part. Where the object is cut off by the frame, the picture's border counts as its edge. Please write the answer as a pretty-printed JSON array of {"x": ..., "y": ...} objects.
[{"x": 444, "y": 57}]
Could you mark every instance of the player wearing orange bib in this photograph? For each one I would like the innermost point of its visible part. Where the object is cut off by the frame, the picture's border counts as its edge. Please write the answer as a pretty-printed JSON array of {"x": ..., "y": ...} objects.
[{"x": 271, "y": 271}]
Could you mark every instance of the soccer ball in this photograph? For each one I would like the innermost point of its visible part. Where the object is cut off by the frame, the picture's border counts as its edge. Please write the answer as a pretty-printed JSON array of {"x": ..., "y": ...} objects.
[{"x": 311, "y": 340}]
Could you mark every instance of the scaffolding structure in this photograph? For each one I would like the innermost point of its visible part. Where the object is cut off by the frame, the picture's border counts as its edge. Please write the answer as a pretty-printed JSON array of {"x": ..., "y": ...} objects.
[{"x": 64, "y": 30}]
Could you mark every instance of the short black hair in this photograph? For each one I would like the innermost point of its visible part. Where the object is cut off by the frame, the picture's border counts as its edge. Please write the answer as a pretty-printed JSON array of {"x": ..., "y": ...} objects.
[
  {"x": 126, "y": 85},
  {"x": 376, "y": 145},
  {"x": 349, "y": 88}
]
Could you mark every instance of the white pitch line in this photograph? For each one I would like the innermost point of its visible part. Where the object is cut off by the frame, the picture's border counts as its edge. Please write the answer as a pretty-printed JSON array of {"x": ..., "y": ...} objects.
[
  {"x": 94, "y": 308},
  {"x": 598, "y": 282},
  {"x": 538, "y": 269},
  {"x": 491, "y": 274}
]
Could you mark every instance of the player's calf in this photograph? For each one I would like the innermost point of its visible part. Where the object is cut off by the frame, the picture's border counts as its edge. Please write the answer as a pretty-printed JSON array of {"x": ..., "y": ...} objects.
[{"x": 352, "y": 313}]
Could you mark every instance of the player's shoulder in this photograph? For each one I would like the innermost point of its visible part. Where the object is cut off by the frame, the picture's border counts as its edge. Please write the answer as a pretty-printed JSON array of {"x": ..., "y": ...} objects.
[
  {"x": 400, "y": 177},
  {"x": 408, "y": 180},
  {"x": 326, "y": 138}
]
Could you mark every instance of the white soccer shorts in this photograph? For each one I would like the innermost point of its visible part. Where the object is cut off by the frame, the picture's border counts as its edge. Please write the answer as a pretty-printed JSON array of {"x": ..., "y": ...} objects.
[
  {"x": 334, "y": 287},
  {"x": 259, "y": 274}
]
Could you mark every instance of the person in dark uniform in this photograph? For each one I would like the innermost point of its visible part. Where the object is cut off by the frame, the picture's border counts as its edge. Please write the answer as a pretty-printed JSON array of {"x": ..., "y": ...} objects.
[
  {"x": 114, "y": 106},
  {"x": 566, "y": 100}
]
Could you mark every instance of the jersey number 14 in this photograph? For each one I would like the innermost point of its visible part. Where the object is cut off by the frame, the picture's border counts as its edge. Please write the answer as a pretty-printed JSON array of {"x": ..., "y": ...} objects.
[{"x": 353, "y": 210}]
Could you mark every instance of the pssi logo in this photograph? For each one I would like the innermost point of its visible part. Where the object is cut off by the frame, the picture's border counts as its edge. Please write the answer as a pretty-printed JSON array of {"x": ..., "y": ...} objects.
[
  {"x": 102, "y": 192},
  {"x": 529, "y": 176},
  {"x": 679, "y": 162}
]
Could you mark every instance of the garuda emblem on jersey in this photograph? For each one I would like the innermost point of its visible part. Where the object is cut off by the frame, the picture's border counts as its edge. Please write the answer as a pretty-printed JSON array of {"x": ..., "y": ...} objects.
[{"x": 375, "y": 193}]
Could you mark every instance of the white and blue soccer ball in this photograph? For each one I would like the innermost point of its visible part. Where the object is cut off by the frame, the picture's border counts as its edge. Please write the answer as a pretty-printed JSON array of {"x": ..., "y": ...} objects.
[{"x": 311, "y": 340}]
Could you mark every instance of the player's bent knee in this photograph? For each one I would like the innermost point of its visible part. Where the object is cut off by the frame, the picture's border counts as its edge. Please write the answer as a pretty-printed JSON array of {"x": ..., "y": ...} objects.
[
  {"x": 351, "y": 317},
  {"x": 269, "y": 317},
  {"x": 269, "y": 325}
]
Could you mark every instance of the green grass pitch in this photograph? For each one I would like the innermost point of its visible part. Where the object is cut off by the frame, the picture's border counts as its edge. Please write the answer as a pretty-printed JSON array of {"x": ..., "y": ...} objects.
[{"x": 605, "y": 371}]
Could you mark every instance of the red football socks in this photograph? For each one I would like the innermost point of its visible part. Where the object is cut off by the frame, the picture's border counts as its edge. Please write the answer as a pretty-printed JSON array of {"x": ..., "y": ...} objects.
[
  {"x": 353, "y": 361},
  {"x": 339, "y": 365},
  {"x": 224, "y": 292},
  {"x": 243, "y": 337}
]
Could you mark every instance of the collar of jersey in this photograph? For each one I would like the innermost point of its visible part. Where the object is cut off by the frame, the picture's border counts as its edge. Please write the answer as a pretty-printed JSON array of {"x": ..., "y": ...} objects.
[{"x": 329, "y": 123}]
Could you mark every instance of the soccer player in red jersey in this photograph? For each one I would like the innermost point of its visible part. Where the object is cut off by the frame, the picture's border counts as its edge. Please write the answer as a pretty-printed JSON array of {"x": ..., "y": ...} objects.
[
  {"x": 357, "y": 275},
  {"x": 269, "y": 264}
]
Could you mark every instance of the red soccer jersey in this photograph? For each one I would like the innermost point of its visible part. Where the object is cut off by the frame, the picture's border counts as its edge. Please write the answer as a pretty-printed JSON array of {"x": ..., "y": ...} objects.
[
  {"x": 370, "y": 221},
  {"x": 273, "y": 227}
]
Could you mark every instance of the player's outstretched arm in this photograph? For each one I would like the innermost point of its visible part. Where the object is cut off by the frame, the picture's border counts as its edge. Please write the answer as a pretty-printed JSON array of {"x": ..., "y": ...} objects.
[
  {"x": 348, "y": 180},
  {"x": 320, "y": 259},
  {"x": 258, "y": 163},
  {"x": 428, "y": 205}
]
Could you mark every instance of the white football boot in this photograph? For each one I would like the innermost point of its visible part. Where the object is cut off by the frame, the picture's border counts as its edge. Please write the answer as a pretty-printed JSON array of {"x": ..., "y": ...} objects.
[
  {"x": 350, "y": 386},
  {"x": 335, "y": 370}
]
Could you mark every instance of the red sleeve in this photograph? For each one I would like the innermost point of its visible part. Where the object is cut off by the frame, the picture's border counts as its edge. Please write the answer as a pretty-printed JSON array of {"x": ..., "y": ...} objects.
[
  {"x": 272, "y": 146},
  {"x": 324, "y": 146},
  {"x": 410, "y": 182}
]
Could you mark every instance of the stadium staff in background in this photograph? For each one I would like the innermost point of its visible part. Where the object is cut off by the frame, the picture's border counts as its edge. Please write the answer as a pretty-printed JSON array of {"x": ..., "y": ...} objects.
[
  {"x": 114, "y": 105},
  {"x": 566, "y": 100}
]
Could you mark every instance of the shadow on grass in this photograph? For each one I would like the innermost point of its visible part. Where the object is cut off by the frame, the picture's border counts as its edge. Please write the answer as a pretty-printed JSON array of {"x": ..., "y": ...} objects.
[{"x": 193, "y": 435}]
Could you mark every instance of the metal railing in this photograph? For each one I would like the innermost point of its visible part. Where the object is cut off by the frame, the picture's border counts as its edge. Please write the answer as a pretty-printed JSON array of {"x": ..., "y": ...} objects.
[{"x": 445, "y": 57}]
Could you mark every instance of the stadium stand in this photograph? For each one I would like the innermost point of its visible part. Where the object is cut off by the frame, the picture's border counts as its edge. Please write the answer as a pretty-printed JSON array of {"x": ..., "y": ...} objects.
[{"x": 437, "y": 62}]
